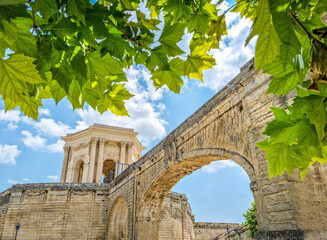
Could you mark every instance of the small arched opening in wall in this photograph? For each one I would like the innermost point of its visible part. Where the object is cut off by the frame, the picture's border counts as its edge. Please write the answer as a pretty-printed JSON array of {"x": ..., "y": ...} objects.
[
  {"x": 148, "y": 215},
  {"x": 108, "y": 170},
  {"x": 118, "y": 220},
  {"x": 78, "y": 171}
]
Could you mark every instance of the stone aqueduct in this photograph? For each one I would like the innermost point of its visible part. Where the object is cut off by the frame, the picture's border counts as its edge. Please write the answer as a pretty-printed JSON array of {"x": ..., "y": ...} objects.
[{"x": 226, "y": 127}]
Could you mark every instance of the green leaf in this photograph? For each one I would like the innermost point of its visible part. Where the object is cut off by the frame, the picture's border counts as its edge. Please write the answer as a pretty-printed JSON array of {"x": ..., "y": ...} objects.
[
  {"x": 103, "y": 67},
  {"x": 95, "y": 17},
  {"x": 63, "y": 75},
  {"x": 218, "y": 28},
  {"x": 90, "y": 95},
  {"x": 318, "y": 57},
  {"x": 283, "y": 85},
  {"x": 177, "y": 8},
  {"x": 46, "y": 7},
  {"x": 75, "y": 95},
  {"x": 117, "y": 95},
  {"x": 282, "y": 157},
  {"x": 195, "y": 64},
  {"x": 65, "y": 27},
  {"x": 77, "y": 8},
  {"x": 15, "y": 72},
  {"x": 157, "y": 58},
  {"x": 321, "y": 6},
  {"x": 268, "y": 43},
  {"x": 199, "y": 23},
  {"x": 173, "y": 81},
  {"x": 20, "y": 40},
  {"x": 170, "y": 36},
  {"x": 58, "y": 93},
  {"x": 3, "y": 46},
  {"x": 79, "y": 68},
  {"x": 117, "y": 46},
  {"x": 290, "y": 46},
  {"x": 281, "y": 129},
  {"x": 11, "y": 2}
]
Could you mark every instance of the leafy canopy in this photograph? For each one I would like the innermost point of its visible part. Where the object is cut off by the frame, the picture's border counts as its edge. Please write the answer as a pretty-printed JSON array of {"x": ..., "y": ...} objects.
[{"x": 79, "y": 50}]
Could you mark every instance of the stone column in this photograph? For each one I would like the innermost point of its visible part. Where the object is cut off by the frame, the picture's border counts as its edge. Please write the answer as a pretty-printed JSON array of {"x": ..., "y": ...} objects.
[
  {"x": 65, "y": 164},
  {"x": 90, "y": 175},
  {"x": 122, "y": 159},
  {"x": 100, "y": 160},
  {"x": 130, "y": 153}
]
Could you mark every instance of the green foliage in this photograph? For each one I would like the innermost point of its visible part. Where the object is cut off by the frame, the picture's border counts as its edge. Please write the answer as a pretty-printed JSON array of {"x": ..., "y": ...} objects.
[
  {"x": 75, "y": 49},
  {"x": 292, "y": 40},
  {"x": 251, "y": 220}
]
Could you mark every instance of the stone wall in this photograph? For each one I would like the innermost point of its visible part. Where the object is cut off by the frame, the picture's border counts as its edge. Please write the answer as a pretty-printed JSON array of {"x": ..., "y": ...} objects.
[
  {"x": 176, "y": 221},
  {"x": 56, "y": 211},
  {"x": 4, "y": 203},
  {"x": 210, "y": 231},
  {"x": 82, "y": 210}
]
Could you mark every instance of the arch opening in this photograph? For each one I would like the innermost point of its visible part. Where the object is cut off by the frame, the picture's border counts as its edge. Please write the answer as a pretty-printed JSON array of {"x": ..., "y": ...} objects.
[
  {"x": 108, "y": 170},
  {"x": 118, "y": 220},
  {"x": 149, "y": 208},
  {"x": 78, "y": 171}
]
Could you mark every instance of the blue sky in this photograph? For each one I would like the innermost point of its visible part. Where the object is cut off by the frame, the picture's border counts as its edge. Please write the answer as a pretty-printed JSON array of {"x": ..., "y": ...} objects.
[{"x": 31, "y": 151}]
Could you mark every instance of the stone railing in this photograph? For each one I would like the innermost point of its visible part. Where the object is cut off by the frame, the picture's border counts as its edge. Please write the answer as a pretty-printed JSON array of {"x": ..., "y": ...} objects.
[{"x": 239, "y": 233}]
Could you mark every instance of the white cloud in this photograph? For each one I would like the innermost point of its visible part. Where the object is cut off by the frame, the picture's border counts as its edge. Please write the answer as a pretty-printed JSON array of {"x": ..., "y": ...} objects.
[
  {"x": 53, "y": 177},
  {"x": 33, "y": 142},
  {"x": 8, "y": 154},
  {"x": 141, "y": 109},
  {"x": 49, "y": 127},
  {"x": 13, "y": 182},
  {"x": 44, "y": 111},
  {"x": 9, "y": 116},
  {"x": 27, "y": 180},
  {"x": 232, "y": 54},
  {"x": 12, "y": 126},
  {"x": 56, "y": 147},
  {"x": 218, "y": 165}
]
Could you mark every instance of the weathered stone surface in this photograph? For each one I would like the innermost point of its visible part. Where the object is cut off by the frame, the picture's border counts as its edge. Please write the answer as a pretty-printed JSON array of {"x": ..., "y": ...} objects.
[
  {"x": 226, "y": 127},
  {"x": 211, "y": 231},
  {"x": 176, "y": 221}
]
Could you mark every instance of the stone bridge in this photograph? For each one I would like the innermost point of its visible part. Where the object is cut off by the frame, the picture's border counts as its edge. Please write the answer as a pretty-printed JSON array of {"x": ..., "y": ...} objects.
[{"x": 226, "y": 127}]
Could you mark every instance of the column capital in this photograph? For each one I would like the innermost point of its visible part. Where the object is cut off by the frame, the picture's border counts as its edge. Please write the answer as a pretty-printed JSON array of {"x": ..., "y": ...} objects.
[
  {"x": 94, "y": 140},
  {"x": 123, "y": 144},
  {"x": 102, "y": 141},
  {"x": 66, "y": 149},
  {"x": 130, "y": 144}
]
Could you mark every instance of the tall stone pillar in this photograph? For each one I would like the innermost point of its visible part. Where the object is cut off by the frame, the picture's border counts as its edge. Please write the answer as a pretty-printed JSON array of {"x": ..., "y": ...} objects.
[
  {"x": 100, "y": 160},
  {"x": 122, "y": 152},
  {"x": 130, "y": 153},
  {"x": 122, "y": 159},
  {"x": 94, "y": 142},
  {"x": 65, "y": 164}
]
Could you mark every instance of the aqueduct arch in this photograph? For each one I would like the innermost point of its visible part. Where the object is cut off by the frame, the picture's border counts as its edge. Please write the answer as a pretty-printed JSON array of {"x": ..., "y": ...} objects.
[
  {"x": 226, "y": 127},
  {"x": 188, "y": 162}
]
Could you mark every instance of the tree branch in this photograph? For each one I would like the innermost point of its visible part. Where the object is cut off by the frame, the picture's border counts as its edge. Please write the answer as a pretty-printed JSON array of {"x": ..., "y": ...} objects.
[
  {"x": 34, "y": 23},
  {"x": 301, "y": 25}
]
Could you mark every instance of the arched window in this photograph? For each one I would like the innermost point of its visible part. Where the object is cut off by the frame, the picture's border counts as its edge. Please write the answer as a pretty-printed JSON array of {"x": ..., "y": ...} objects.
[
  {"x": 78, "y": 171},
  {"x": 108, "y": 170}
]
